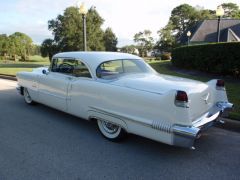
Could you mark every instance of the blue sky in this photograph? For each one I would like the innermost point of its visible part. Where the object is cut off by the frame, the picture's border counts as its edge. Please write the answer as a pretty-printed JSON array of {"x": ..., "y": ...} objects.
[{"x": 125, "y": 17}]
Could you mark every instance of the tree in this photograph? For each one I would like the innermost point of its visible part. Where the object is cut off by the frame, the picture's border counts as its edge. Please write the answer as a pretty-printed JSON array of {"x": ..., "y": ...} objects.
[
  {"x": 132, "y": 49},
  {"x": 35, "y": 50},
  {"x": 182, "y": 17},
  {"x": 67, "y": 30},
  {"x": 110, "y": 40},
  {"x": 166, "y": 39},
  {"x": 20, "y": 45},
  {"x": 48, "y": 48},
  {"x": 4, "y": 44},
  {"x": 231, "y": 10},
  {"x": 205, "y": 14},
  {"x": 144, "y": 41},
  {"x": 94, "y": 31}
]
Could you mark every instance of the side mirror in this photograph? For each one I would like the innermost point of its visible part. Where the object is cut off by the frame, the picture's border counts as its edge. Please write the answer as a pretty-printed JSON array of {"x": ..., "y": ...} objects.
[{"x": 44, "y": 71}]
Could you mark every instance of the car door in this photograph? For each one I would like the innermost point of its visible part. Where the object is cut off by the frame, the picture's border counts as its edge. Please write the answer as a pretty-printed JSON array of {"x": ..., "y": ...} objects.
[
  {"x": 81, "y": 91},
  {"x": 53, "y": 85}
]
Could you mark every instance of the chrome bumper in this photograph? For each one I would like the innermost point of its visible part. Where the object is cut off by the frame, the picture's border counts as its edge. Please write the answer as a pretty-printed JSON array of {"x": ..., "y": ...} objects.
[{"x": 185, "y": 136}]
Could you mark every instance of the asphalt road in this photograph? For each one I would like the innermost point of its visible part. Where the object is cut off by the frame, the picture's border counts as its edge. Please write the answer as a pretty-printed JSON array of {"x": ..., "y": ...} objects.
[{"x": 37, "y": 142}]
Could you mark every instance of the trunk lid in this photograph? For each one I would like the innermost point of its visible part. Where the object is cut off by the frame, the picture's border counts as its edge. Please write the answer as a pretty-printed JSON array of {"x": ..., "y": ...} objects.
[{"x": 199, "y": 94}]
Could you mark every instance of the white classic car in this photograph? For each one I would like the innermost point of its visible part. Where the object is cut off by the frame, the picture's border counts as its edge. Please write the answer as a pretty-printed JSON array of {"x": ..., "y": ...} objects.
[{"x": 123, "y": 94}]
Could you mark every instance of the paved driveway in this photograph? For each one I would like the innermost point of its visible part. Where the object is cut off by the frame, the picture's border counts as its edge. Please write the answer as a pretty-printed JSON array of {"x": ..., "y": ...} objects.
[{"x": 37, "y": 142}]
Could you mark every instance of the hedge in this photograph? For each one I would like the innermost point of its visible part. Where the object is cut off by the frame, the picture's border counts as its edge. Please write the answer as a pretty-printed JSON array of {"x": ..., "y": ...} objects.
[{"x": 220, "y": 58}]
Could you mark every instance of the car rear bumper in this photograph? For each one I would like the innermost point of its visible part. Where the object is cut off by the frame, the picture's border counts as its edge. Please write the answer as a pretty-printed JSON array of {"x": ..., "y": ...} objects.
[{"x": 185, "y": 136}]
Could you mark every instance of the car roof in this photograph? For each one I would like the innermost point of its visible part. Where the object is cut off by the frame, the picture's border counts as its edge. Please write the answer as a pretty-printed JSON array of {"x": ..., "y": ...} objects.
[{"x": 94, "y": 59}]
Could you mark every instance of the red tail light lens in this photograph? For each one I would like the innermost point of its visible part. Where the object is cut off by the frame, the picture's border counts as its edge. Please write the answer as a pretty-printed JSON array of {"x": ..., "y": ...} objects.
[
  {"x": 220, "y": 83},
  {"x": 181, "y": 96},
  {"x": 181, "y": 99}
]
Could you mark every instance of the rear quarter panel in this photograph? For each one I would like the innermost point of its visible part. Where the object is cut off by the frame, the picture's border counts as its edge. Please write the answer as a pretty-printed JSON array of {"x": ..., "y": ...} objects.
[{"x": 141, "y": 106}]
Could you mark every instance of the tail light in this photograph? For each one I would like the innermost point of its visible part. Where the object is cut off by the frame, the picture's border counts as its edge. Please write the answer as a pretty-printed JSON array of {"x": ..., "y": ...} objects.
[
  {"x": 220, "y": 85},
  {"x": 181, "y": 99}
]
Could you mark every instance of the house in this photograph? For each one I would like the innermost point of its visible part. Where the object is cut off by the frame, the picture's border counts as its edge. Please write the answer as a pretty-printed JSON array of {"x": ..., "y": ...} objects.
[{"x": 206, "y": 32}]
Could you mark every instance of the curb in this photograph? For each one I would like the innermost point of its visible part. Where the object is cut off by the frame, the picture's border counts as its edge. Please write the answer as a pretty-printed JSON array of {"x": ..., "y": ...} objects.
[
  {"x": 233, "y": 121},
  {"x": 9, "y": 77}
]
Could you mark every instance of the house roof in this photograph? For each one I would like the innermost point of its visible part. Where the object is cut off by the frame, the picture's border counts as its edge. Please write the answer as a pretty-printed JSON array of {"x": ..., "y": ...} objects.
[{"x": 206, "y": 31}]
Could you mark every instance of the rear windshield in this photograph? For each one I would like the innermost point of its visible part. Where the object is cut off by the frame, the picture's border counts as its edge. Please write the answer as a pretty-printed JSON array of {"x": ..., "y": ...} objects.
[{"x": 115, "y": 68}]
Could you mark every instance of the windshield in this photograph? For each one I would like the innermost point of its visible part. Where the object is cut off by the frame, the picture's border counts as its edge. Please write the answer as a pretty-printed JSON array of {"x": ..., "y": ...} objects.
[{"x": 115, "y": 68}]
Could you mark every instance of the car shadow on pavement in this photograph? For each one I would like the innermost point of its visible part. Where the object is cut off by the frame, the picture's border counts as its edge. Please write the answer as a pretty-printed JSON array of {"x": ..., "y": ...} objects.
[{"x": 231, "y": 125}]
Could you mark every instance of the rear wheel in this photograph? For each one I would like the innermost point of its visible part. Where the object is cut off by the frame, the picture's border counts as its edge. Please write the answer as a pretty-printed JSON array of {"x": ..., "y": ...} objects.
[
  {"x": 27, "y": 96},
  {"x": 111, "y": 131}
]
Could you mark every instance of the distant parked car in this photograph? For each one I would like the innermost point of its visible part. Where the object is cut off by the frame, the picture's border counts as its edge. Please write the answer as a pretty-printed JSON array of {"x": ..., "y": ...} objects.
[{"x": 123, "y": 95}]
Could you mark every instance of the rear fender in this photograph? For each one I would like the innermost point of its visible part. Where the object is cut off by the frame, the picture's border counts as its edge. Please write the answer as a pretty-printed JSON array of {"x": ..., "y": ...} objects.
[{"x": 218, "y": 95}]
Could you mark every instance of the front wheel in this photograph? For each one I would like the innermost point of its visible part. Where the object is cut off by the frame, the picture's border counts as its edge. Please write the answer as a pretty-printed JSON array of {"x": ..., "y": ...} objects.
[
  {"x": 27, "y": 96},
  {"x": 111, "y": 131}
]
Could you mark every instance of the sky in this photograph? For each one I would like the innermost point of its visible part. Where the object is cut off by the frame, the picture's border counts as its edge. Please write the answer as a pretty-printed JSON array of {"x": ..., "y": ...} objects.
[{"x": 125, "y": 17}]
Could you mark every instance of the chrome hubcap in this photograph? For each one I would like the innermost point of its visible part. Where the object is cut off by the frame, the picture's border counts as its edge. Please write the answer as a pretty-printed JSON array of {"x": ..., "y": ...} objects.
[
  {"x": 27, "y": 96},
  {"x": 109, "y": 127}
]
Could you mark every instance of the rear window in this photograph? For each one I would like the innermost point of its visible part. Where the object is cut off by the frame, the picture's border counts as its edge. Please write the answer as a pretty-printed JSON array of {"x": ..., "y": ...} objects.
[{"x": 115, "y": 68}]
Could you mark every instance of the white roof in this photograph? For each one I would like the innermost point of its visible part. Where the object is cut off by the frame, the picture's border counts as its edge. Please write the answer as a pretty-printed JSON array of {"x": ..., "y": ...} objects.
[{"x": 94, "y": 59}]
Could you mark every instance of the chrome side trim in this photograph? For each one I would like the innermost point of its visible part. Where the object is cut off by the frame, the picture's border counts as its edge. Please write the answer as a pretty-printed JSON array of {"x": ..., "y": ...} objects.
[
  {"x": 162, "y": 126},
  {"x": 159, "y": 125},
  {"x": 112, "y": 114}
]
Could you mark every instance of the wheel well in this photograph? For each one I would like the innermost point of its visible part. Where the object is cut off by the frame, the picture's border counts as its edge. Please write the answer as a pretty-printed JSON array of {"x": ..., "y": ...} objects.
[
  {"x": 123, "y": 125},
  {"x": 21, "y": 90},
  {"x": 93, "y": 119}
]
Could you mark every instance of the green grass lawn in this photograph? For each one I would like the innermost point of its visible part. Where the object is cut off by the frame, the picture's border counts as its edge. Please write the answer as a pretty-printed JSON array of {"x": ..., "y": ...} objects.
[
  {"x": 163, "y": 67},
  {"x": 11, "y": 67}
]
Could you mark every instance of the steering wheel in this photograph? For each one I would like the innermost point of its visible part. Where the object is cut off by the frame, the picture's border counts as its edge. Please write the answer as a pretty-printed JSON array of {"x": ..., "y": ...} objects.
[{"x": 66, "y": 68}]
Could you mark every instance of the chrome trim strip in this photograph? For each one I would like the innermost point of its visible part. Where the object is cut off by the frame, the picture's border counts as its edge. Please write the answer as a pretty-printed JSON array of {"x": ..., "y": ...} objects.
[
  {"x": 162, "y": 126},
  {"x": 146, "y": 123},
  {"x": 159, "y": 125}
]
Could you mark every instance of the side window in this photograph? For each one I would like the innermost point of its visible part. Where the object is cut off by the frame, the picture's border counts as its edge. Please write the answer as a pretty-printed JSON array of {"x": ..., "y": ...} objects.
[
  {"x": 81, "y": 70},
  {"x": 61, "y": 65},
  {"x": 71, "y": 67},
  {"x": 131, "y": 66},
  {"x": 110, "y": 68}
]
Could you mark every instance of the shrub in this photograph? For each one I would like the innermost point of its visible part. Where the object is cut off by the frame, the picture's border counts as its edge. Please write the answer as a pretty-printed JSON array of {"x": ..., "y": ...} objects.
[
  {"x": 157, "y": 57},
  {"x": 220, "y": 58},
  {"x": 165, "y": 56}
]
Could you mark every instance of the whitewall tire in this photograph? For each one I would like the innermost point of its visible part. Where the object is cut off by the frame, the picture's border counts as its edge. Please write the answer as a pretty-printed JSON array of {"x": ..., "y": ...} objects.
[
  {"x": 111, "y": 131},
  {"x": 27, "y": 97}
]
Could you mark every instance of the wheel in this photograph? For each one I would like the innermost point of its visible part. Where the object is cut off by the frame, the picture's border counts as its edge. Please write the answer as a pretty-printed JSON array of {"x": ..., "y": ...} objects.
[
  {"x": 27, "y": 96},
  {"x": 111, "y": 131}
]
